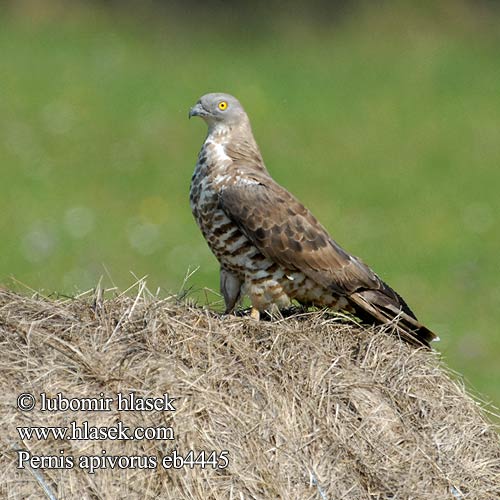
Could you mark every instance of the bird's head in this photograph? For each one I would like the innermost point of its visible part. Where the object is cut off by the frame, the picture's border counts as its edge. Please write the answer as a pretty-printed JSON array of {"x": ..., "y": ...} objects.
[{"x": 220, "y": 111}]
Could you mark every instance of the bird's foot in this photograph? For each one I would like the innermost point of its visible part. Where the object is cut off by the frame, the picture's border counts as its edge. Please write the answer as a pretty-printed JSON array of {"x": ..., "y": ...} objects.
[{"x": 255, "y": 314}]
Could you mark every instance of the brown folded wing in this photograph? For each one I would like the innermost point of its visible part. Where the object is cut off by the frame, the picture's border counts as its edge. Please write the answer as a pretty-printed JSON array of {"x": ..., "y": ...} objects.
[{"x": 287, "y": 233}]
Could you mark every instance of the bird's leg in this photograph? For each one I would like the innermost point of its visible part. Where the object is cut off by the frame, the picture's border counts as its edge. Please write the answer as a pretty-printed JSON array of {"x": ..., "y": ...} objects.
[
  {"x": 255, "y": 314},
  {"x": 230, "y": 286}
]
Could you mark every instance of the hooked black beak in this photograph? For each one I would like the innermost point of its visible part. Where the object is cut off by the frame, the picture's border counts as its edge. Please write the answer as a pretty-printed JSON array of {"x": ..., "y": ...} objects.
[{"x": 197, "y": 110}]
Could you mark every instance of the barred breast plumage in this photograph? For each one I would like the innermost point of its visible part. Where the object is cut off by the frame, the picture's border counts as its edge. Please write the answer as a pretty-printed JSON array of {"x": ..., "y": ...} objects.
[
  {"x": 268, "y": 284},
  {"x": 269, "y": 246}
]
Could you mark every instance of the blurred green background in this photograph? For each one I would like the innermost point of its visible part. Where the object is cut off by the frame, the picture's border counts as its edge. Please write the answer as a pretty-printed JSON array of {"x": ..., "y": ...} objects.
[{"x": 384, "y": 120}]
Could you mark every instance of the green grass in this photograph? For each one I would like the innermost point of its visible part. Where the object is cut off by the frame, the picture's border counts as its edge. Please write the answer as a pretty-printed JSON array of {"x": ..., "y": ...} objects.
[{"x": 386, "y": 125}]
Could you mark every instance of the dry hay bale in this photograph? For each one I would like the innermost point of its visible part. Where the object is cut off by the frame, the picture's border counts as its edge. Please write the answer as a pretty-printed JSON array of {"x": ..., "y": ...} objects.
[{"x": 308, "y": 406}]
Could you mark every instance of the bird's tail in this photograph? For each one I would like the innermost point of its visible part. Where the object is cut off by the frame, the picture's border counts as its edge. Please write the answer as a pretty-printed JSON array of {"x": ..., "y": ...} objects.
[{"x": 386, "y": 306}]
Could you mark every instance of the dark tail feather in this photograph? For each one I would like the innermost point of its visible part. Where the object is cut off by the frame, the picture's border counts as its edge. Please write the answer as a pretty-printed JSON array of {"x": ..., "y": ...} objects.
[{"x": 387, "y": 307}]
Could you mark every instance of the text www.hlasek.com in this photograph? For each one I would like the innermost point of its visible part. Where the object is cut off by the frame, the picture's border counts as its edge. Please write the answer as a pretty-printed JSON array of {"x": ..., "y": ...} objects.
[{"x": 90, "y": 432}]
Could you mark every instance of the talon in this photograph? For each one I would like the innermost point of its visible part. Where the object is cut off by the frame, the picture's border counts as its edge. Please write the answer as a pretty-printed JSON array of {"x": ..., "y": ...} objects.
[{"x": 255, "y": 314}]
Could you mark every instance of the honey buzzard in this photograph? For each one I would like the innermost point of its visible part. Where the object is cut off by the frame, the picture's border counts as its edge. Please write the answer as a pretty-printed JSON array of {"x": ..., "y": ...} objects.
[{"x": 269, "y": 246}]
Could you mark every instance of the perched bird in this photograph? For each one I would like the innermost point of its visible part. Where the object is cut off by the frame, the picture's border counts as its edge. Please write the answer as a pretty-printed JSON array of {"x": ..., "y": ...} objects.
[{"x": 269, "y": 246}]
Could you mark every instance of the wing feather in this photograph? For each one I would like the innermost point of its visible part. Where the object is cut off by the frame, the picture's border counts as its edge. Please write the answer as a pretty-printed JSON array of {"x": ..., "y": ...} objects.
[{"x": 287, "y": 233}]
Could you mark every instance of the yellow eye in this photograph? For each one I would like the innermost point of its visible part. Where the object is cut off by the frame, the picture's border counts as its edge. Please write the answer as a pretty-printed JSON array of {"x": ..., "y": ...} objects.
[{"x": 223, "y": 105}]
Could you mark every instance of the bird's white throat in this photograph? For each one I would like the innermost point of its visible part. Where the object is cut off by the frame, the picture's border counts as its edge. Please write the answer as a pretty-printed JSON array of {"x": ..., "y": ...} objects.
[{"x": 216, "y": 150}]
